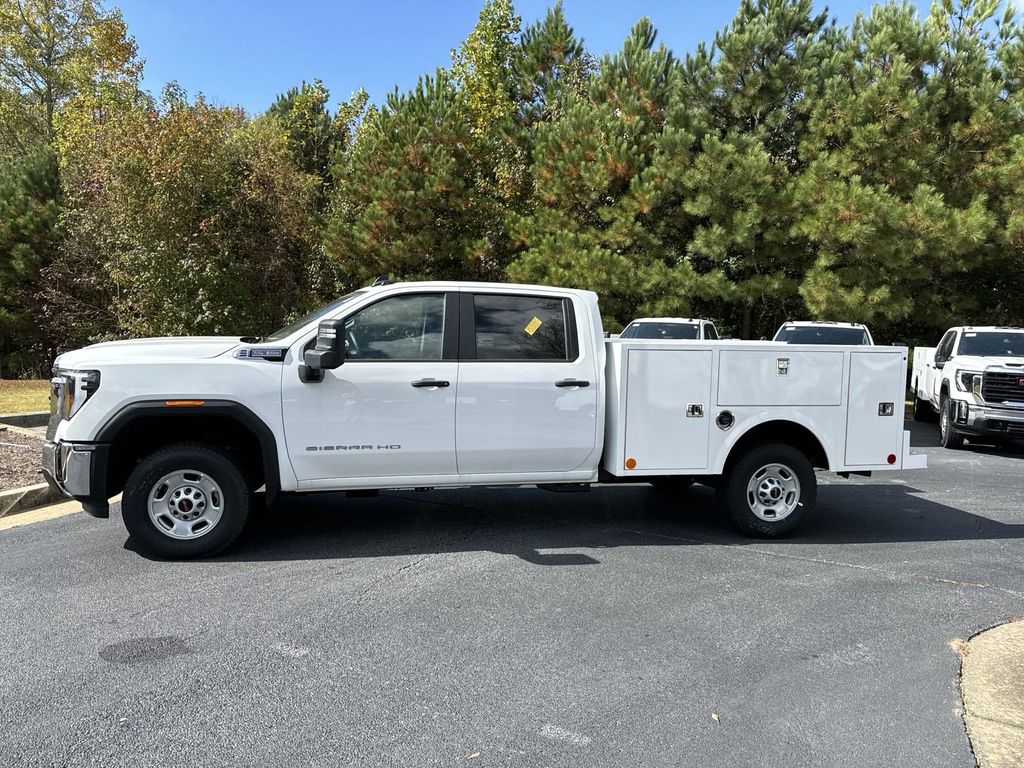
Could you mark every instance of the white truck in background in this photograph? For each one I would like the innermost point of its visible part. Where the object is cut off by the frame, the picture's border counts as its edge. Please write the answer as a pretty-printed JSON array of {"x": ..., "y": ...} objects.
[
  {"x": 439, "y": 384},
  {"x": 974, "y": 382}
]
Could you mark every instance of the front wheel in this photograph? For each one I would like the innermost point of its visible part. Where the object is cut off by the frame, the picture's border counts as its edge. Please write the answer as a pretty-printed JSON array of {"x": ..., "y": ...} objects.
[
  {"x": 769, "y": 491},
  {"x": 948, "y": 436},
  {"x": 185, "y": 500}
]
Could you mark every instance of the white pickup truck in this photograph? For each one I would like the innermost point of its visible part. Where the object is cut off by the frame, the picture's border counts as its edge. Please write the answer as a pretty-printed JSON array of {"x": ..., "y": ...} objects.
[
  {"x": 974, "y": 381},
  {"x": 438, "y": 384}
]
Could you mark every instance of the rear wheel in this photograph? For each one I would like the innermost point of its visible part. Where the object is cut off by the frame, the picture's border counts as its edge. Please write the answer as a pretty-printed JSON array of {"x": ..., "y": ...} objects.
[
  {"x": 922, "y": 408},
  {"x": 185, "y": 500},
  {"x": 948, "y": 436},
  {"x": 769, "y": 491}
]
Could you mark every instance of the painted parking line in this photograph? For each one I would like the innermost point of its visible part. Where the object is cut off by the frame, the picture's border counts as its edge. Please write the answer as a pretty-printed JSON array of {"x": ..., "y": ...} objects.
[
  {"x": 44, "y": 513},
  {"x": 39, "y": 515}
]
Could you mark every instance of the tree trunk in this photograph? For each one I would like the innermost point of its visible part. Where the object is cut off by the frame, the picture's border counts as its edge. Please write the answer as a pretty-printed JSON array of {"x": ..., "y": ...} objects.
[{"x": 748, "y": 320}]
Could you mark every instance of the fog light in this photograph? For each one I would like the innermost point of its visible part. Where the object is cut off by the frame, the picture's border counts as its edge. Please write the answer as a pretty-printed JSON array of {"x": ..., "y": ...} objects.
[{"x": 963, "y": 410}]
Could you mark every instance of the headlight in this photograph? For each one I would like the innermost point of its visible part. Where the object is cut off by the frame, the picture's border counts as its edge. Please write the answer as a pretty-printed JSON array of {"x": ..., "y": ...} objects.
[
  {"x": 70, "y": 390},
  {"x": 965, "y": 380}
]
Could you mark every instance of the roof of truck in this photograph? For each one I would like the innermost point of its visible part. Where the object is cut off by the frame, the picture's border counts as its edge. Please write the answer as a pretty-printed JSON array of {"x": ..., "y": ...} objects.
[
  {"x": 686, "y": 320},
  {"x": 993, "y": 328},
  {"x": 824, "y": 322}
]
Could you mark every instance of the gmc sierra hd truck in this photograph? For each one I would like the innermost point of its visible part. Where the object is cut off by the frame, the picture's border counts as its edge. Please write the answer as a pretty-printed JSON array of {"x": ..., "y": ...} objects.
[
  {"x": 974, "y": 381},
  {"x": 439, "y": 384}
]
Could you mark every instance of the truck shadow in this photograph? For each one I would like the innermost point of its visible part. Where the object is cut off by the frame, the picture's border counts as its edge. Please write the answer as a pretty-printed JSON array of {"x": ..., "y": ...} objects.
[
  {"x": 571, "y": 529},
  {"x": 926, "y": 435}
]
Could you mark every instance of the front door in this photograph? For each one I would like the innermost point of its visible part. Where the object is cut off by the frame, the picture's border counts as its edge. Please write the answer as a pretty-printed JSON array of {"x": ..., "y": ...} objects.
[
  {"x": 528, "y": 390},
  {"x": 389, "y": 409}
]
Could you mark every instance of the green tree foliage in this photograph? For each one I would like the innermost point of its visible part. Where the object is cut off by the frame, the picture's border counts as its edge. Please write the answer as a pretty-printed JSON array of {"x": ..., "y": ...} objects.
[
  {"x": 749, "y": 95},
  {"x": 56, "y": 54},
  {"x": 407, "y": 204},
  {"x": 601, "y": 177},
  {"x": 201, "y": 220},
  {"x": 29, "y": 207},
  {"x": 550, "y": 63},
  {"x": 909, "y": 171}
]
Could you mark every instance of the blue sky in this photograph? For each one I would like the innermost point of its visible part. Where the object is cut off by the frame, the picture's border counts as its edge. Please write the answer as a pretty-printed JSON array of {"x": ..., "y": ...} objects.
[{"x": 245, "y": 52}]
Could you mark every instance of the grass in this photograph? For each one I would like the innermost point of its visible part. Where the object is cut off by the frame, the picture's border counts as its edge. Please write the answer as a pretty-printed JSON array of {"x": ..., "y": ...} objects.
[{"x": 18, "y": 396}]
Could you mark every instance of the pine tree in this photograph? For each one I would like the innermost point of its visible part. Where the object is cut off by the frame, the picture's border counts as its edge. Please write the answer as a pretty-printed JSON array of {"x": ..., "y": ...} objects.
[
  {"x": 904, "y": 154},
  {"x": 749, "y": 95},
  {"x": 29, "y": 207},
  {"x": 602, "y": 171}
]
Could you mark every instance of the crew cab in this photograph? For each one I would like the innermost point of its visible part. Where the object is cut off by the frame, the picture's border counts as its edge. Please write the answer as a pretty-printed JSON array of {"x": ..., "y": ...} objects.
[
  {"x": 669, "y": 328},
  {"x": 440, "y": 384},
  {"x": 974, "y": 381}
]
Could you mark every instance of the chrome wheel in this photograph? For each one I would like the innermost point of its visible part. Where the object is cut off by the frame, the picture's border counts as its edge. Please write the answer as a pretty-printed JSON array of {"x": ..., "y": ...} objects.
[
  {"x": 773, "y": 492},
  {"x": 186, "y": 504}
]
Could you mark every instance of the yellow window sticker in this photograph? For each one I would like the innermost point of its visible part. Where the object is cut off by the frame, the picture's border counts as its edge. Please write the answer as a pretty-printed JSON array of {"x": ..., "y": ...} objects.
[{"x": 532, "y": 326}]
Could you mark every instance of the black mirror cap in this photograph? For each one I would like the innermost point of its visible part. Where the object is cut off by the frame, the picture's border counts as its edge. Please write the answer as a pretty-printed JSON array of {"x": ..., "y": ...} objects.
[{"x": 329, "y": 351}]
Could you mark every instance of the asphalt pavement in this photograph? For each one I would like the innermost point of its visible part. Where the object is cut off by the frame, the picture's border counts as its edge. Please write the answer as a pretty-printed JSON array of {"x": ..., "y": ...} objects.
[{"x": 620, "y": 627}]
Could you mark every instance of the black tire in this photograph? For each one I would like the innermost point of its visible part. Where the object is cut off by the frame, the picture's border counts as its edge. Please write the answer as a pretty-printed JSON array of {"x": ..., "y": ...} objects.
[
  {"x": 210, "y": 479},
  {"x": 948, "y": 436},
  {"x": 922, "y": 409},
  {"x": 732, "y": 490}
]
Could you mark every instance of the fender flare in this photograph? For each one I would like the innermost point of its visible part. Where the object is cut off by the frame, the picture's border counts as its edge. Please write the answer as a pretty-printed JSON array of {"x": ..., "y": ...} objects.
[{"x": 229, "y": 408}]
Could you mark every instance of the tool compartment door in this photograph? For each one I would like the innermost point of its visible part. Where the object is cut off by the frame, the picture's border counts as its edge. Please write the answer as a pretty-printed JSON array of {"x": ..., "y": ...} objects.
[
  {"x": 660, "y": 386},
  {"x": 870, "y": 436}
]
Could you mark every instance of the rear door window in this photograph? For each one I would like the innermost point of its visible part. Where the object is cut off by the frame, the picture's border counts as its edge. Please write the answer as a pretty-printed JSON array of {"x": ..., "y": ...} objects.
[{"x": 519, "y": 328}]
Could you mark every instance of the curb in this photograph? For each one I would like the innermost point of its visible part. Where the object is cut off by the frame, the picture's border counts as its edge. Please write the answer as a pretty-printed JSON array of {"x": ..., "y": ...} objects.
[
  {"x": 992, "y": 688},
  {"x": 26, "y": 498},
  {"x": 29, "y": 419}
]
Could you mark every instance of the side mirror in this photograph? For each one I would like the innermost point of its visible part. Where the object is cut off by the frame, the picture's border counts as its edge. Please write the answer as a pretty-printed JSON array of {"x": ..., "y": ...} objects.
[{"x": 329, "y": 351}]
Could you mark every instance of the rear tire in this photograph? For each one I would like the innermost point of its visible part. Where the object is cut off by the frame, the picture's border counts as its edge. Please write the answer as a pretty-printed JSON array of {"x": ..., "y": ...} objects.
[
  {"x": 186, "y": 500},
  {"x": 948, "y": 436},
  {"x": 922, "y": 409},
  {"x": 769, "y": 491}
]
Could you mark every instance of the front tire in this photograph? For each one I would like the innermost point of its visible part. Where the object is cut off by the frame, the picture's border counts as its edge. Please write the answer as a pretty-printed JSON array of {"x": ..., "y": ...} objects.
[
  {"x": 948, "y": 436},
  {"x": 186, "y": 500},
  {"x": 769, "y": 491}
]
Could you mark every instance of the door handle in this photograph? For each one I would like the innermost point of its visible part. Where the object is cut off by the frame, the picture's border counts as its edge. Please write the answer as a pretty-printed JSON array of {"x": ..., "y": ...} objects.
[
  {"x": 572, "y": 383},
  {"x": 430, "y": 383}
]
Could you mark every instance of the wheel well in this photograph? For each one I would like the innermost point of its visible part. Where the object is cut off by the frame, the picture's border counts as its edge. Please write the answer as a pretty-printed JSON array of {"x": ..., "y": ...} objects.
[
  {"x": 144, "y": 433},
  {"x": 788, "y": 432}
]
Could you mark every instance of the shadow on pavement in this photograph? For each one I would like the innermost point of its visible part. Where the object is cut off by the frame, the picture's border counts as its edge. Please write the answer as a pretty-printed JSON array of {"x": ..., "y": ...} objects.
[
  {"x": 545, "y": 528},
  {"x": 926, "y": 435}
]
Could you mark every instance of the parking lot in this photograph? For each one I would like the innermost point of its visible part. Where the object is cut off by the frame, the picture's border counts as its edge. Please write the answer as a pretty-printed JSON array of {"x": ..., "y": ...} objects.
[{"x": 624, "y": 626}]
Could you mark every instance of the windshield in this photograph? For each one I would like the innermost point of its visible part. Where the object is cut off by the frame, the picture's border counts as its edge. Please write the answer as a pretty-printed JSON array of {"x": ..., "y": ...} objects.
[
  {"x": 316, "y": 314},
  {"x": 821, "y": 334},
  {"x": 661, "y": 331},
  {"x": 992, "y": 344}
]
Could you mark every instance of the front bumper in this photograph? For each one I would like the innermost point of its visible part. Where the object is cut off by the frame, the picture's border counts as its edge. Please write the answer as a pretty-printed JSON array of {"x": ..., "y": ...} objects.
[
  {"x": 988, "y": 421},
  {"x": 79, "y": 471}
]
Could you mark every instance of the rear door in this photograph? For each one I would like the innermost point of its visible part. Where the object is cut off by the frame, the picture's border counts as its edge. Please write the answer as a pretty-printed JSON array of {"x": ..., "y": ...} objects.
[
  {"x": 528, "y": 390},
  {"x": 873, "y": 423}
]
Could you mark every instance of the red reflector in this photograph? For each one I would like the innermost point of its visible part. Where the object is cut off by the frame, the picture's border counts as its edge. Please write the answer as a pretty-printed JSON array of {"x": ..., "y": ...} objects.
[{"x": 892, "y": 458}]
